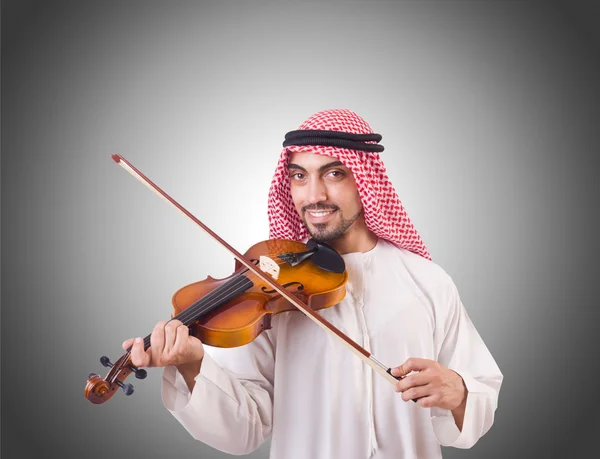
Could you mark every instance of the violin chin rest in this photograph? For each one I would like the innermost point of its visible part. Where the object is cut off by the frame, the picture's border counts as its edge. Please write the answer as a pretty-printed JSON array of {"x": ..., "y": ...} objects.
[{"x": 325, "y": 257}]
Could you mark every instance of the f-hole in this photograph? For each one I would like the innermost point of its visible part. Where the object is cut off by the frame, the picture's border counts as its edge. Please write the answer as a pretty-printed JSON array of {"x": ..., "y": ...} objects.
[{"x": 300, "y": 287}]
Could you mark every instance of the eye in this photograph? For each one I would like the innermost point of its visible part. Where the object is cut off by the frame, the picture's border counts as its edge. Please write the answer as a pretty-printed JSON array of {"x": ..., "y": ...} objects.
[
  {"x": 297, "y": 175},
  {"x": 336, "y": 174}
]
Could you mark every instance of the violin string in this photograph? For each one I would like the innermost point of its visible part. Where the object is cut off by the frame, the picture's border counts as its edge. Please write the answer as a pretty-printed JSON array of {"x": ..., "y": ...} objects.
[
  {"x": 191, "y": 313},
  {"x": 194, "y": 311},
  {"x": 207, "y": 302}
]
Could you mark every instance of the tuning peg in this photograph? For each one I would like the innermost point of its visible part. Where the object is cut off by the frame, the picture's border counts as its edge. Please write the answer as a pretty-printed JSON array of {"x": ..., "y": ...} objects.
[
  {"x": 139, "y": 372},
  {"x": 91, "y": 375},
  {"x": 127, "y": 388},
  {"x": 105, "y": 361}
]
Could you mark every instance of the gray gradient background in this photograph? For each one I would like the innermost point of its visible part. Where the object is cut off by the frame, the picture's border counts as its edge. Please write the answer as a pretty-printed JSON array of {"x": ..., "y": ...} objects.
[{"x": 488, "y": 110}]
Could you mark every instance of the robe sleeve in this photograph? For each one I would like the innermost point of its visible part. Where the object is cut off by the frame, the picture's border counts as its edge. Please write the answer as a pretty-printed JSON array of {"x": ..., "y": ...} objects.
[
  {"x": 460, "y": 348},
  {"x": 231, "y": 405}
]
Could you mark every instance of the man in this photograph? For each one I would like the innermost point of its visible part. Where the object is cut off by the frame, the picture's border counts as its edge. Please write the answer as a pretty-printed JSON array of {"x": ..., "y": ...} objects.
[{"x": 298, "y": 383}]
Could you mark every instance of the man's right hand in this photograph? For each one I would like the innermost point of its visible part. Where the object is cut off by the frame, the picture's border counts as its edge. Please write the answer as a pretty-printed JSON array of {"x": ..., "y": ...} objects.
[{"x": 170, "y": 344}]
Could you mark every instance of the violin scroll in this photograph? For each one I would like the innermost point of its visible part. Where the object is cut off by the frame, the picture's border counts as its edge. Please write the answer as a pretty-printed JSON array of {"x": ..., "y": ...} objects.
[{"x": 98, "y": 390}]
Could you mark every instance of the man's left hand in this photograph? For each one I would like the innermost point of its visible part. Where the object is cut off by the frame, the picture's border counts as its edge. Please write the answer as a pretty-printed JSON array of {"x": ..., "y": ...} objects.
[{"x": 433, "y": 385}]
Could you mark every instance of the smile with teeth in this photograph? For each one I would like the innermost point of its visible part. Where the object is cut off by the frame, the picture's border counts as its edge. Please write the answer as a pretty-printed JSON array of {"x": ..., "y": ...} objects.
[{"x": 320, "y": 214}]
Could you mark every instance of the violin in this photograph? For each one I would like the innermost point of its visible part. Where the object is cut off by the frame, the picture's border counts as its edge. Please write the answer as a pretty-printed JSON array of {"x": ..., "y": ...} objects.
[
  {"x": 233, "y": 311},
  {"x": 273, "y": 276}
]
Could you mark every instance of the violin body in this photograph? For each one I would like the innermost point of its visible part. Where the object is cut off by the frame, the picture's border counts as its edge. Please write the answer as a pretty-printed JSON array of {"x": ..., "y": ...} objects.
[{"x": 241, "y": 319}]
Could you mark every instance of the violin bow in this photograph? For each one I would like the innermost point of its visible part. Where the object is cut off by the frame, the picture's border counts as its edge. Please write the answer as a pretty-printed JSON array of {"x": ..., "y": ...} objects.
[{"x": 362, "y": 353}]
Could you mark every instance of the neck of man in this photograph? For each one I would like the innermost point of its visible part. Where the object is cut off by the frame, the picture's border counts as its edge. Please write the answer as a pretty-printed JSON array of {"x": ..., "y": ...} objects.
[{"x": 358, "y": 238}]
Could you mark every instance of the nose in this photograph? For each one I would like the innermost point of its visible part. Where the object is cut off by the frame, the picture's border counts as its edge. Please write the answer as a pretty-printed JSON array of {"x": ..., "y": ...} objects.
[{"x": 317, "y": 191}]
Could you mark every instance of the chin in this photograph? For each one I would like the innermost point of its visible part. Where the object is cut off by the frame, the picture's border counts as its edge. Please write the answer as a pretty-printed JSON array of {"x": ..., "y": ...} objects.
[{"x": 323, "y": 235}]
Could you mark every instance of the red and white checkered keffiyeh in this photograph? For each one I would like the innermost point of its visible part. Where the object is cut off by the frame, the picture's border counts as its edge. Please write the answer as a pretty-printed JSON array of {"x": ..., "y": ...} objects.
[{"x": 384, "y": 213}]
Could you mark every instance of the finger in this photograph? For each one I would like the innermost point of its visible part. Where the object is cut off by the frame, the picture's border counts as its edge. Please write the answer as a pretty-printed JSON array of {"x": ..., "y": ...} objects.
[
  {"x": 413, "y": 380},
  {"x": 157, "y": 341},
  {"x": 171, "y": 335},
  {"x": 428, "y": 402},
  {"x": 182, "y": 340},
  {"x": 127, "y": 343},
  {"x": 412, "y": 364},
  {"x": 139, "y": 357},
  {"x": 416, "y": 392}
]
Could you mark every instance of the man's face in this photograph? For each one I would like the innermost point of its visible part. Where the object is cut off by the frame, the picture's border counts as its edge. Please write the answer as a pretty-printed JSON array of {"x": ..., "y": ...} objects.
[{"x": 324, "y": 194}]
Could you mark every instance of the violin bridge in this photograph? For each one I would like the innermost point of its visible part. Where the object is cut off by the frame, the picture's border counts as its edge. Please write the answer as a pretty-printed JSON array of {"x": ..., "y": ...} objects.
[{"x": 269, "y": 266}]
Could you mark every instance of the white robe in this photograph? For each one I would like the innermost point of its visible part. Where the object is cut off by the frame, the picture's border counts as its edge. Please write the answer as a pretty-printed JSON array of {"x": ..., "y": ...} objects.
[{"x": 318, "y": 399}]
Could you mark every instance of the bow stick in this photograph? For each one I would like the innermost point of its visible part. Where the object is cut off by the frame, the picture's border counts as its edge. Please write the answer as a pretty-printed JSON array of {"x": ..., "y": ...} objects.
[{"x": 362, "y": 353}]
